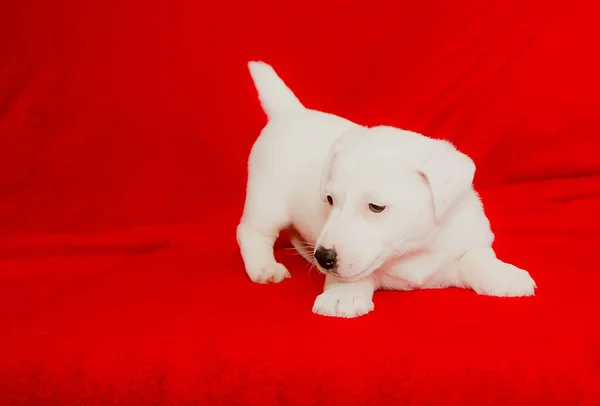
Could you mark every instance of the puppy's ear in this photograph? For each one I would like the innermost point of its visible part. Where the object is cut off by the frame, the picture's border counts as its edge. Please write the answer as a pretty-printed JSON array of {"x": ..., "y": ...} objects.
[
  {"x": 326, "y": 173},
  {"x": 340, "y": 143},
  {"x": 449, "y": 174}
]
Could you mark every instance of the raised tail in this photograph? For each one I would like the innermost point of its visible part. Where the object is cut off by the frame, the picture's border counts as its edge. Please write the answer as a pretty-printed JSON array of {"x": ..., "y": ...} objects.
[{"x": 274, "y": 95}]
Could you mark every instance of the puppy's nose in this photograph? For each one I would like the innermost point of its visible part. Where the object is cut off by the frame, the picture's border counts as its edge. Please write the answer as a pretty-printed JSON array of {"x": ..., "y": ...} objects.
[{"x": 327, "y": 258}]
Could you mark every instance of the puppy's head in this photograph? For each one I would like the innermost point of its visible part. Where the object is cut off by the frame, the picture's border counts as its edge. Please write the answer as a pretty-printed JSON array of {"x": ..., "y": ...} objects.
[{"x": 387, "y": 190}]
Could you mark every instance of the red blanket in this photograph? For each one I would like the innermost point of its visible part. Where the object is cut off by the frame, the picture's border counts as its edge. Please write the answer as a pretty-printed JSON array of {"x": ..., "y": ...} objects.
[{"x": 125, "y": 127}]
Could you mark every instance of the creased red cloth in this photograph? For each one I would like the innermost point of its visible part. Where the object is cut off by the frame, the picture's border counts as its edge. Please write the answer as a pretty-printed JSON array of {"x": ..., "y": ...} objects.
[{"x": 124, "y": 132}]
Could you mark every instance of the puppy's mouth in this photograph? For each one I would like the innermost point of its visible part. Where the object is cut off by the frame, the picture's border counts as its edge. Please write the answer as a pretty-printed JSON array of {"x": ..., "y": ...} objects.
[
  {"x": 367, "y": 271},
  {"x": 377, "y": 263},
  {"x": 355, "y": 277}
]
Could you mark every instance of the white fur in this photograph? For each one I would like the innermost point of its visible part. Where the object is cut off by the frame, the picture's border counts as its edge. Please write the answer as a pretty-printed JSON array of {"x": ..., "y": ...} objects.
[{"x": 433, "y": 232}]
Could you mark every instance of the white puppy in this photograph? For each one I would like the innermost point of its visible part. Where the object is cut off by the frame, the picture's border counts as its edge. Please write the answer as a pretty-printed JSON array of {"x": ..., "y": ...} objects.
[{"x": 372, "y": 208}]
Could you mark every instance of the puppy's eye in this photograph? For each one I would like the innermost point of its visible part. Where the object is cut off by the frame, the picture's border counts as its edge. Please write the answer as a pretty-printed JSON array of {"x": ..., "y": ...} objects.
[
  {"x": 330, "y": 200},
  {"x": 376, "y": 209}
]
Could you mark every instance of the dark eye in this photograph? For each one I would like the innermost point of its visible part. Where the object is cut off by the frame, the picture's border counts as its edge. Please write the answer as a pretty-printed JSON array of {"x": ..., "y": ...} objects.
[
  {"x": 376, "y": 209},
  {"x": 330, "y": 200}
]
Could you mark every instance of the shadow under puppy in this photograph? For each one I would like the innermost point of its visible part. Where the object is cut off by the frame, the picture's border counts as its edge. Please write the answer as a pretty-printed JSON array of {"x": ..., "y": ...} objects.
[{"x": 372, "y": 208}]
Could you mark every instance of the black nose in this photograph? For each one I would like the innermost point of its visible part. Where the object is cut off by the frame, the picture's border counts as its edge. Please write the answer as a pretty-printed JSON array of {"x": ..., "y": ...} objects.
[{"x": 326, "y": 257}]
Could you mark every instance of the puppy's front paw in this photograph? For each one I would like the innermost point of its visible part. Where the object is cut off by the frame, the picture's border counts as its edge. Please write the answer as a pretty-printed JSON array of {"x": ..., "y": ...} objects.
[
  {"x": 272, "y": 273},
  {"x": 343, "y": 303},
  {"x": 508, "y": 281}
]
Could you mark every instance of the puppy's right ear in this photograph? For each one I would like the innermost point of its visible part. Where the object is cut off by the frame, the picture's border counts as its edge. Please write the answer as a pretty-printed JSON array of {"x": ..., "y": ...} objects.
[
  {"x": 449, "y": 174},
  {"x": 337, "y": 146}
]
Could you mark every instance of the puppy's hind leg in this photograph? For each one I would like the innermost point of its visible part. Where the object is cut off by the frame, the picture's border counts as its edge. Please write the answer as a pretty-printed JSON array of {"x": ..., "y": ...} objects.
[
  {"x": 264, "y": 216},
  {"x": 482, "y": 271}
]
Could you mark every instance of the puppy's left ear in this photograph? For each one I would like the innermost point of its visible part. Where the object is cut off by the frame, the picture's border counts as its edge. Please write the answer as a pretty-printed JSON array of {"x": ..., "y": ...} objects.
[{"x": 449, "y": 174}]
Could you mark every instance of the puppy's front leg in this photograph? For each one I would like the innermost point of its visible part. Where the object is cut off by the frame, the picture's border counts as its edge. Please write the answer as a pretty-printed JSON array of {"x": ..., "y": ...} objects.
[
  {"x": 345, "y": 299},
  {"x": 257, "y": 254},
  {"x": 482, "y": 271}
]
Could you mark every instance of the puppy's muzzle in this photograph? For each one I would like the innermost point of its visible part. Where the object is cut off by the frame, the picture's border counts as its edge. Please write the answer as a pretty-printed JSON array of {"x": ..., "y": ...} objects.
[{"x": 327, "y": 258}]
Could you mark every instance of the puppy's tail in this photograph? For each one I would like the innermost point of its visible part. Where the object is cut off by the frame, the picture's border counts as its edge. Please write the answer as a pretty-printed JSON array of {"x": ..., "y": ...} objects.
[{"x": 274, "y": 95}]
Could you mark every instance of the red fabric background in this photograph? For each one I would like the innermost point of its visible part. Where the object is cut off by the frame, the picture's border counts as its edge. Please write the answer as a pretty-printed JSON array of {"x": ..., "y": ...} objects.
[{"x": 124, "y": 132}]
